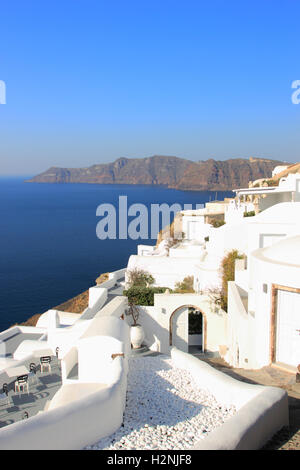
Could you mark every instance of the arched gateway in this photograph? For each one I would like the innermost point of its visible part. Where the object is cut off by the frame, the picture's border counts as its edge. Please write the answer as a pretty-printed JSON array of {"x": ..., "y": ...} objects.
[{"x": 179, "y": 327}]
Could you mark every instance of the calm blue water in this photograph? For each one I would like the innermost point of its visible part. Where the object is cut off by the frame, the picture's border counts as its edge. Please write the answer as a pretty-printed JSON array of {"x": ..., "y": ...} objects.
[{"x": 49, "y": 251}]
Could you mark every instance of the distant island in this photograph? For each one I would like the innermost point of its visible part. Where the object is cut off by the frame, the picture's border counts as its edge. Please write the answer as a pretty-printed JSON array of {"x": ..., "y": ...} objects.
[{"x": 173, "y": 172}]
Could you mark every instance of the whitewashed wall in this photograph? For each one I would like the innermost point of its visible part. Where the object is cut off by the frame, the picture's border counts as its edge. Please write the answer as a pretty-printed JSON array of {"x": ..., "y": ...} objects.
[
  {"x": 249, "y": 330},
  {"x": 155, "y": 321},
  {"x": 167, "y": 271}
]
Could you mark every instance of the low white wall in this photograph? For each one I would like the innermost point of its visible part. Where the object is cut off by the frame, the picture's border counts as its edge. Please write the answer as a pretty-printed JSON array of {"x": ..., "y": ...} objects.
[
  {"x": 240, "y": 331},
  {"x": 261, "y": 411},
  {"x": 116, "y": 307},
  {"x": 167, "y": 271},
  {"x": 28, "y": 347},
  {"x": 72, "y": 426},
  {"x": 65, "y": 318},
  {"x": 31, "y": 329},
  {"x": 68, "y": 362},
  {"x": 117, "y": 275},
  {"x": 65, "y": 338},
  {"x": 107, "y": 335},
  {"x": 98, "y": 294},
  {"x": 145, "y": 249},
  {"x": 9, "y": 332},
  {"x": 97, "y": 297}
]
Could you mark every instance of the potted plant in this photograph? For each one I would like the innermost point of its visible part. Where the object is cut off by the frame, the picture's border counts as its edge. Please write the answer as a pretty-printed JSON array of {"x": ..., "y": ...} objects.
[{"x": 137, "y": 334}]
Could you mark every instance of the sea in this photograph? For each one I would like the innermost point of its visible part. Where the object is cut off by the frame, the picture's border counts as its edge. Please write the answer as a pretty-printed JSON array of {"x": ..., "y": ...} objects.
[{"x": 49, "y": 249}]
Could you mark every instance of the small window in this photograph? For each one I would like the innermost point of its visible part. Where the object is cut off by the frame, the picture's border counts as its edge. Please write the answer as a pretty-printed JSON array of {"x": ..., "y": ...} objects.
[{"x": 265, "y": 288}]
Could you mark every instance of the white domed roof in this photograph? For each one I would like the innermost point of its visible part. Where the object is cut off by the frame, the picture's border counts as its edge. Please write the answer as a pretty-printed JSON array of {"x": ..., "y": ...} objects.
[
  {"x": 284, "y": 212},
  {"x": 286, "y": 251}
]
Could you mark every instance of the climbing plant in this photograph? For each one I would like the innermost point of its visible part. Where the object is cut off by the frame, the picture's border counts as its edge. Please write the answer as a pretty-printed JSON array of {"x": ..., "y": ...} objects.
[{"x": 227, "y": 272}]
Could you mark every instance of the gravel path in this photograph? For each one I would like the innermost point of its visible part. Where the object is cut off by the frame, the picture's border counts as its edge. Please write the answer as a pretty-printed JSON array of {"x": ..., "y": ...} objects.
[{"x": 165, "y": 409}]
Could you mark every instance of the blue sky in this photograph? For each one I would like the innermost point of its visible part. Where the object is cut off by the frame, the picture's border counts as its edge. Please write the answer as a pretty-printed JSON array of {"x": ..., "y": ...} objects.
[{"x": 90, "y": 81}]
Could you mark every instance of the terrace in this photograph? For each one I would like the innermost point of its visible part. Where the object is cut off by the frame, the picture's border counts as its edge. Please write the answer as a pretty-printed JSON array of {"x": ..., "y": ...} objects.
[{"x": 41, "y": 389}]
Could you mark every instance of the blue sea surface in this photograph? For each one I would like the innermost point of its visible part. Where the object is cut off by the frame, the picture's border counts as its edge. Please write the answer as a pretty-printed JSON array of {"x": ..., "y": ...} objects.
[{"x": 49, "y": 251}]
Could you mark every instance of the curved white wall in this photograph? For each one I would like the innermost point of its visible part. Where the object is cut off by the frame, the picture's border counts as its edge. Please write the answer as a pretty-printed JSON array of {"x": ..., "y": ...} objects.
[
  {"x": 261, "y": 411},
  {"x": 72, "y": 426}
]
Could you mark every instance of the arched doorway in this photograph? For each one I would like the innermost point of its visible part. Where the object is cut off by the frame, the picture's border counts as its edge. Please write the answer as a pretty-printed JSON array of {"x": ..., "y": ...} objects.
[{"x": 179, "y": 327}]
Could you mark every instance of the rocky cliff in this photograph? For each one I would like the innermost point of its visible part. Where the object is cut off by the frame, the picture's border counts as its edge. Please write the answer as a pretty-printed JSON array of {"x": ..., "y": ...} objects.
[{"x": 172, "y": 172}]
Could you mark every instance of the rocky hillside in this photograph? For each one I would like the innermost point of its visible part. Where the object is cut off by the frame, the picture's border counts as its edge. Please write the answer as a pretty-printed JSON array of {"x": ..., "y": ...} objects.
[{"x": 172, "y": 172}]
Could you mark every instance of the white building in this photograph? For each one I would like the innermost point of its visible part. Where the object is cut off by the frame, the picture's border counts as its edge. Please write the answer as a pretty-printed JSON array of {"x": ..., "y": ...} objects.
[
  {"x": 288, "y": 190},
  {"x": 278, "y": 169},
  {"x": 246, "y": 330},
  {"x": 264, "y": 312}
]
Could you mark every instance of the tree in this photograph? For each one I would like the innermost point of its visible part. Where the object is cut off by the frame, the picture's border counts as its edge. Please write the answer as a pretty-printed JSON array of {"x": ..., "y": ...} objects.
[
  {"x": 139, "y": 278},
  {"x": 133, "y": 311},
  {"x": 185, "y": 286}
]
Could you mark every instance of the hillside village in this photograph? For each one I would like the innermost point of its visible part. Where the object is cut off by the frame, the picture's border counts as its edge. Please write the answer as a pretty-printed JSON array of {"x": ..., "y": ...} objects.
[{"x": 222, "y": 281}]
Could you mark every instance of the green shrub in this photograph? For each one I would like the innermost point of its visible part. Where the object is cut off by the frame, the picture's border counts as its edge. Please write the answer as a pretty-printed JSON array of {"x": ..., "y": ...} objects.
[
  {"x": 272, "y": 182},
  {"x": 249, "y": 214},
  {"x": 217, "y": 223},
  {"x": 143, "y": 295}
]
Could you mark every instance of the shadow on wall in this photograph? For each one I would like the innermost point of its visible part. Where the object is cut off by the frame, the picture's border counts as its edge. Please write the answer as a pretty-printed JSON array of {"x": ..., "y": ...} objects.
[{"x": 156, "y": 336}]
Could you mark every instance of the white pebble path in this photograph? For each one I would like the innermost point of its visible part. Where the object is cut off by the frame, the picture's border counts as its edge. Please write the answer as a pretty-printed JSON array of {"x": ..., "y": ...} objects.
[{"x": 165, "y": 409}]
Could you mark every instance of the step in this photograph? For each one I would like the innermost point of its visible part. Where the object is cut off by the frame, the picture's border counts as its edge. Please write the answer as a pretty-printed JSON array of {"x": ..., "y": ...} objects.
[{"x": 284, "y": 367}]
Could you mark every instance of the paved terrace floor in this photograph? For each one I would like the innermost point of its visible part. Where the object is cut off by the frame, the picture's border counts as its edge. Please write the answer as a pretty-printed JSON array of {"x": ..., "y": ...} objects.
[
  {"x": 117, "y": 289},
  {"x": 41, "y": 390}
]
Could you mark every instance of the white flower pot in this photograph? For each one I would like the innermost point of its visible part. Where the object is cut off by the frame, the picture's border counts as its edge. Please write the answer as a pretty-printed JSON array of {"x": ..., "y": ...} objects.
[{"x": 137, "y": 336}]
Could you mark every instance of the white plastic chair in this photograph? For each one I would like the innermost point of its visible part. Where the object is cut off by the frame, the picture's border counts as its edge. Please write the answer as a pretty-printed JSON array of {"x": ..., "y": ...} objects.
[
  {"x": 4, "y": 397},
  {"x": 21, "y": 383},
  {"x": 45, "y": 363},
  {"x": 32, "y": 373}
]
